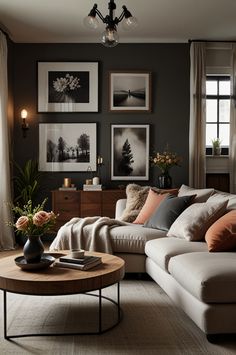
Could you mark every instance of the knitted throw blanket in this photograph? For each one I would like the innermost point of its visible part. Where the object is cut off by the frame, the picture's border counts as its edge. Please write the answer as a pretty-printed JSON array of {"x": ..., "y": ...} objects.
[{"x": 89, "y": 233}]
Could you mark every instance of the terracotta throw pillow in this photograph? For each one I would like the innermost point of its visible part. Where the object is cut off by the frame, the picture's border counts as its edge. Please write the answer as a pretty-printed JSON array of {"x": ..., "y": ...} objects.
[
  {"x": 152, "y": 202},
  {"x": 221, "y": 236}
]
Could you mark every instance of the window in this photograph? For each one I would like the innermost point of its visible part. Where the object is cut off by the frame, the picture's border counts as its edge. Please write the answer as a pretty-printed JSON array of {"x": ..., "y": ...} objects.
[{"x": 217, "y": 111}]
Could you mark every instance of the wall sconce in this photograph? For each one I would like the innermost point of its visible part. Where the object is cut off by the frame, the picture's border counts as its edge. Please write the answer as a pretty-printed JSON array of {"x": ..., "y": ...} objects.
[{"x": 24, "y": 124}]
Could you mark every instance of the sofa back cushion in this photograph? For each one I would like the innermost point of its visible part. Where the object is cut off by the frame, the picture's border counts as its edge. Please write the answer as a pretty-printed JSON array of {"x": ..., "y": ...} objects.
[
  {"x": 221, "y": 236},
  {"x": 222, "y": 196},
  {"x": 193, "y": 223},
  {"x": 201, "y": 194},
  {"x": 168, "y": 210}
]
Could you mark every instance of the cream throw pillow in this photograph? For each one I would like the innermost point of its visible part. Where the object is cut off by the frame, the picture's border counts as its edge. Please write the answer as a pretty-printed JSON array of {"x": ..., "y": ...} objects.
[{"x": 193, "y": 222}]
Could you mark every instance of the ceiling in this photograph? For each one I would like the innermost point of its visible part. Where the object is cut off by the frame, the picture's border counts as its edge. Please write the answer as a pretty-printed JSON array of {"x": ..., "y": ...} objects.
[{"x": 61, "y": 21}]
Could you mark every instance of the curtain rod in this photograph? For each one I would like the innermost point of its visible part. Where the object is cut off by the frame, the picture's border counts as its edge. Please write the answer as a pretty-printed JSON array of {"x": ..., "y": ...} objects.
[{"x": 208, "y": 40}]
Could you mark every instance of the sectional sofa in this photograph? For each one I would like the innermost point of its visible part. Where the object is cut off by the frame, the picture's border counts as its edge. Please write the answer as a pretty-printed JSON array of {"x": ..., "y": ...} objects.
[
  {"x": 185, "y": 240},
  {"x": 199, "y": 276}
]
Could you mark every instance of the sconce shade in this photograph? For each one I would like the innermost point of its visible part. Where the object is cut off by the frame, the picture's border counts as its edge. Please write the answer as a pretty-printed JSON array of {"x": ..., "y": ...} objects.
[{"x": 24, "y": 113}]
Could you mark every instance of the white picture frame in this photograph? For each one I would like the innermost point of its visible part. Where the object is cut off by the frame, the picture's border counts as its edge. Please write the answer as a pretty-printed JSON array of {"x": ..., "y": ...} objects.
[
  {"x": 130, "y": 91},
  {"x": 67, "y": 147},
  {"x": 67, "y": 86},
  {"x": 133, "y": 141}
]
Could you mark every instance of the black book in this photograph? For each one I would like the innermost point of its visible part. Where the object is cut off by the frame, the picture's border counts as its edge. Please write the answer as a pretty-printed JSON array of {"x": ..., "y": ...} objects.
[{"x": 82, "y": 261}]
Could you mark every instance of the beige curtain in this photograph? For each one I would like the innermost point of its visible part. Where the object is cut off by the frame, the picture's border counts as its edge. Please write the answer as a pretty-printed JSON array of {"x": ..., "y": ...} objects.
[
  {"x": 232, "y": 144},
  {"x": 6, "y": 233},
  {"x": 197, "y": 125}
]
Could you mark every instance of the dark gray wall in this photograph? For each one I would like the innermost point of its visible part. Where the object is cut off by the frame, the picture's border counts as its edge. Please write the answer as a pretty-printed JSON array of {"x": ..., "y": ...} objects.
[{"x": 169, "y": 120}]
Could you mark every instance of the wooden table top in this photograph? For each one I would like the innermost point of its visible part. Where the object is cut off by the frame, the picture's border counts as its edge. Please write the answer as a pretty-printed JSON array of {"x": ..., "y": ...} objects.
[{"x": 60, "y": 281}]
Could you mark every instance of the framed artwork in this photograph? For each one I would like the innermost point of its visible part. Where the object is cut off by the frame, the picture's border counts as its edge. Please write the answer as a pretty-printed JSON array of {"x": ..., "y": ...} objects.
[
  {"x": 67, "y": 147},
  {"x": 67, "y": 87},
  {"x": 130, "y": 152},
  {"x": 130, "y": 91}
]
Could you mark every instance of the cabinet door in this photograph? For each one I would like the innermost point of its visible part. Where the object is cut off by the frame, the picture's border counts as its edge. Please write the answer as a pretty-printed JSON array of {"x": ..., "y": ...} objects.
[
  {"x": 91, "y": 203},
  {"x": 109, "y": 199}
]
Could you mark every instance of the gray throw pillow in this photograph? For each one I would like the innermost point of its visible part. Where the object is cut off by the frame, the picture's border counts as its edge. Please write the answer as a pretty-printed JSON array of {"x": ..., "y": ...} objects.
[{"x": 168, "y": 211}]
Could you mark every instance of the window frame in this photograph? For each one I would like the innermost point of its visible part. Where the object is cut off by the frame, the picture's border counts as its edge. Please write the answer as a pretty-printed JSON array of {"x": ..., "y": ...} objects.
[{"x": 218, "y": 97}]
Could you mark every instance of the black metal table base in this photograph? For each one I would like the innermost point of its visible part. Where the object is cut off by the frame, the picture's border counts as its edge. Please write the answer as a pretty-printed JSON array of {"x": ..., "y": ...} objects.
[{"x": 100, "y": 330}]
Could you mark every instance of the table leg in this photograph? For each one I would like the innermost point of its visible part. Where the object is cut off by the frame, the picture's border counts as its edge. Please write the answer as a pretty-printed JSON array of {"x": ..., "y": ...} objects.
[
  {"x": 118, "y": 301},
  {"x": 100, "y": 312},
  {"x": 5, "y": 313}
]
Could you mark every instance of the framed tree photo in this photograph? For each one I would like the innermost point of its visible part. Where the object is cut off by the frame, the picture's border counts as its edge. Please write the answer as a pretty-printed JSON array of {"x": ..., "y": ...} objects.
[
  {"x": 130, "y": 152},
  {"x": 130, "y": 91},
  {"x": 67, "y": 87},
  {"x": 67, "y": 147}
]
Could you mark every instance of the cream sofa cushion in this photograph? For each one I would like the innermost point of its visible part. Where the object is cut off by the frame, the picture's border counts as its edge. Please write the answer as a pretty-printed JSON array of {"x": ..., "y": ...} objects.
[
  {"x": 132, "y": 238},
  {"x": 210, "y": 277},
  {"x": 163, "y": 249}
]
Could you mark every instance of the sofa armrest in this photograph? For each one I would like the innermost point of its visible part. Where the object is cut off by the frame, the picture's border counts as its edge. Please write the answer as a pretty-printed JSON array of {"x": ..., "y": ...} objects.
[{"x": 120, "y": 206}]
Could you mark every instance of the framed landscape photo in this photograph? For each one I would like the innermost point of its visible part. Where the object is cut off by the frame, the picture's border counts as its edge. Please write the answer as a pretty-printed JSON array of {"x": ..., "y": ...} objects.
[
  {"x": 130, "y": 91},
  {"x": 67, "y": 147},
  {"x": 130, "y": 152},
  {"x": 67, "y": 87}
]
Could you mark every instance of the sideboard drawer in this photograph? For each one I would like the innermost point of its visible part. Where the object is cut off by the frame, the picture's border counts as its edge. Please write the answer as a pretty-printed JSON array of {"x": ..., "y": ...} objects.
[{"x": 66, "y": 197}]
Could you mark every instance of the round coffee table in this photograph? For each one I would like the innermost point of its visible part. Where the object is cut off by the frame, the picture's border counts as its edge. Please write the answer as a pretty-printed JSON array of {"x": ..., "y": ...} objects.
[{"x": 55, "y": 281}]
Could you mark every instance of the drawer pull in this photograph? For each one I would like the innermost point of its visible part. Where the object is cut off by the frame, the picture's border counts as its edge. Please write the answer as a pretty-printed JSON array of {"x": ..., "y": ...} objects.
[{"x": 66, "y": 197}]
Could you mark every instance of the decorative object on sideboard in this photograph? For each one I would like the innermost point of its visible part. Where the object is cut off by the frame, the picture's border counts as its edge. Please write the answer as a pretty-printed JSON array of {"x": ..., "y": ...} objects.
[
  {"x": 24, "y": 124},
  {"x": 165, "y": 161},
  {"x": 110, "y": 37},
  {"x": 216, "y": 146},
  {"x": 100, "y": 164},
  {"x": 67, "y": 185},
  {"x": 67, "y": 182}
]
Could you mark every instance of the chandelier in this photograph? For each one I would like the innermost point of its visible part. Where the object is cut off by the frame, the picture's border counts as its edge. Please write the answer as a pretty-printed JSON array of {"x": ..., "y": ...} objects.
[{"x": 110, "y": 36}]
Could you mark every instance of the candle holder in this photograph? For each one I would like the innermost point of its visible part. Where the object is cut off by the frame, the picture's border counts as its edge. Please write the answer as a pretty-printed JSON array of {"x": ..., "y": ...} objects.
[{"x": 100, "y": 165}]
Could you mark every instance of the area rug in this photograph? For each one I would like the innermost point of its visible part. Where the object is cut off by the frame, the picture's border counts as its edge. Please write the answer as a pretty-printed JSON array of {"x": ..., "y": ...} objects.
[{"x": 151, "y": 324}]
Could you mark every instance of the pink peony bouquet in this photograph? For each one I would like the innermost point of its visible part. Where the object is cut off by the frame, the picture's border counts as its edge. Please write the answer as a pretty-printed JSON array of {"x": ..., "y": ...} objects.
[{"x": 33, "y": 221}]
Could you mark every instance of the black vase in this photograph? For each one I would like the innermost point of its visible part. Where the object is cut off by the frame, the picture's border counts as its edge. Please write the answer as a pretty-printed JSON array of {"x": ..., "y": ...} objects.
[
  {"x": 164, "y": 180},
  {"x": 33, "y": 249}
]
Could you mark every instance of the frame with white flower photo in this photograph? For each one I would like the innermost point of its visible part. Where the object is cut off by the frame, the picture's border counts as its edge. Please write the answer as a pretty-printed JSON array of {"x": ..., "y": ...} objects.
[{"x": 67, "y": 86}]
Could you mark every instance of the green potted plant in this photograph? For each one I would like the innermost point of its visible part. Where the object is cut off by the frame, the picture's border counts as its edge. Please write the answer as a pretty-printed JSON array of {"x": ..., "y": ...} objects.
[
  {"x": 216, "y": 146},
  {"x": 26, "y": 187}
]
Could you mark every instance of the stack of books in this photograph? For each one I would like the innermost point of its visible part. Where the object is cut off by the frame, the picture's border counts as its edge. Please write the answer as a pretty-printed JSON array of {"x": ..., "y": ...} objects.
[
  {"x": 85, "y": 263},
  {"x": 64, "y": 188},
  {"x": 92, "y": 187}
]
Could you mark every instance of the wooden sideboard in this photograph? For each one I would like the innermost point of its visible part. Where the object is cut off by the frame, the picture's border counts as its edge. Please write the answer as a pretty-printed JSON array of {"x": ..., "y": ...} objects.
[{"x": 69, "y": 204}]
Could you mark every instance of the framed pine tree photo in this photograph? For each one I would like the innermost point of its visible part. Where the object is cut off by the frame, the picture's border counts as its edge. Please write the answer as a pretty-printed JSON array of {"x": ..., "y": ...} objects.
[{"x": 130, "y": 152}]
